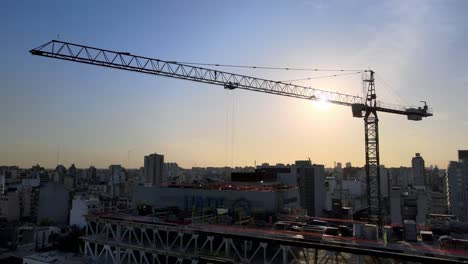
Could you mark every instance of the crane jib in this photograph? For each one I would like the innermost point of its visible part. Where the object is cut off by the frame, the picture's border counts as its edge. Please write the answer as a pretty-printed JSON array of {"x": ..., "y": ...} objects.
[{"x": 127, "y": 61}]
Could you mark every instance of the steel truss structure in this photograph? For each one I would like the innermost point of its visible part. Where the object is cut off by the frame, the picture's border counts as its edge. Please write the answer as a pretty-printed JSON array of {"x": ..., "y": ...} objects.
[
  {"x": 109, "y": 240},
  {"x": 362, "y": 107},
  {"x": 371, "y": 130}
]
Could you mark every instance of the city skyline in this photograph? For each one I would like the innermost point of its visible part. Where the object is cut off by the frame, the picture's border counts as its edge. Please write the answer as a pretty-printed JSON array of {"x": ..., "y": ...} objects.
[
  {"x": 95, "y": 116},
  {"x": 256, "y": 164}
]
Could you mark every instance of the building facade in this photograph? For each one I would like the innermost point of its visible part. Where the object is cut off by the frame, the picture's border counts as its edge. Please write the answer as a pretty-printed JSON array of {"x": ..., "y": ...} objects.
[
  {"x": 270, "y": 199},
  {"x": 10, "y": 205},
  {"x": 153, "y": 170},
  {"x": 457, "y": 176},
  {"x": 311, "y": 183},
  {"x": 53, "y": 204},
  {"x": 418, "y": 171}
]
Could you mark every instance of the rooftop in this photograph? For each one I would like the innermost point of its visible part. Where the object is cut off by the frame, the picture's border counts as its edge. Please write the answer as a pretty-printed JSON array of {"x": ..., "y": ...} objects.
[{"x": 232, "y": 187}]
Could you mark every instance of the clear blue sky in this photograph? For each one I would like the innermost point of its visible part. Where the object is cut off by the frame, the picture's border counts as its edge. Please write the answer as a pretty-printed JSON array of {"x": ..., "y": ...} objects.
[{"x": 94, "y": 116}]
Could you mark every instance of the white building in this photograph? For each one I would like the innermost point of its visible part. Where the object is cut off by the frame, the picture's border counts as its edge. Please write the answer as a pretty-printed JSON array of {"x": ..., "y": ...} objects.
[
  {"x": 80, "y": 207},
  {"x": 153, "y": 170}
]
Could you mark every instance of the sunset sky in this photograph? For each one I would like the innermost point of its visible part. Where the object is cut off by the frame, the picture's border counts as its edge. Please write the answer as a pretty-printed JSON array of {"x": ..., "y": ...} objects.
[{"x": 98, "y": 116}]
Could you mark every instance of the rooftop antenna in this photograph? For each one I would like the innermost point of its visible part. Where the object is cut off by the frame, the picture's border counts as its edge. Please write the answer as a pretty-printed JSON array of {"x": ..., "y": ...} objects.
[
  {"x": 128, "y": 158},
  {"x": 58, "y": 154}
]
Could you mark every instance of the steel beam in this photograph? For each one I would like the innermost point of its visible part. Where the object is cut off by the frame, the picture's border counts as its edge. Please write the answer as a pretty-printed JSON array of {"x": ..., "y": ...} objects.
[{"x": 180, "y": 243}]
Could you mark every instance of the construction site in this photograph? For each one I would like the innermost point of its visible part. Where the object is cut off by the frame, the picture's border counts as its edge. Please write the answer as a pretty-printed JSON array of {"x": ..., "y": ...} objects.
[{"x": 192, "y": 232}]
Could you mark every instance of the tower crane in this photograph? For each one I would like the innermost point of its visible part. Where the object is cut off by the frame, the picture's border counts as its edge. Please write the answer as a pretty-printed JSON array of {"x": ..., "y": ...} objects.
[{"x": 365, "y": 107}]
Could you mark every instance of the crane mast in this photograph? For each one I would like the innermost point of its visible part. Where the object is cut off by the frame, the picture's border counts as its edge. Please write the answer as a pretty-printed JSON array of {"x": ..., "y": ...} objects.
[
  {"x": 365, "y": 108},
  {"x": 371, "y": 130}
]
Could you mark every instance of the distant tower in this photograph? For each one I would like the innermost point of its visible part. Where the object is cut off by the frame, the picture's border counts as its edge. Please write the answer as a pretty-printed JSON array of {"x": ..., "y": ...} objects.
[
  {"x": 417, "y": 169},
  {"x": 153, "y": 169},
  {"x": 339, "y": 166}
]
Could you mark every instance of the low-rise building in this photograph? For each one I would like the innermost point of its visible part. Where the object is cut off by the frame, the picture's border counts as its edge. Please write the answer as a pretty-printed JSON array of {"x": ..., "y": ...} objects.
[{"x": 270, "y": 199}]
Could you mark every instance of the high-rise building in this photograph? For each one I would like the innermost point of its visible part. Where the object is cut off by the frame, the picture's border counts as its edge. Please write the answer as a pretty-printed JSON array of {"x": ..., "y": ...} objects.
[
  {"x": 457, "y": 176},
  {"x": 153, "y": 170},
  {"x": 418, "y": 172},
  {"x": 463, "y": 155},
  {"x": 311, "y": 182},
  {"x": 437, "y": 188},
  {"x": 395, "y": 205}
]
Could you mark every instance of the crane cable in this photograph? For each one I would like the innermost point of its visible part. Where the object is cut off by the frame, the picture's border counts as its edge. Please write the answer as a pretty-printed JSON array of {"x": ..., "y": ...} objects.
[
  {"x": 393, "y": 90},
  {"x": 226, "y": 128},
  {"x": 233, "y": 127},
  {"x": 321, "y": 77},
  {"x": 263, "y": 67}
]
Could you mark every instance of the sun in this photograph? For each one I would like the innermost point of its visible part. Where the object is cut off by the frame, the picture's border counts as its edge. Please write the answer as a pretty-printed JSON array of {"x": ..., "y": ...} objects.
[{"x": 322, "y": 104}]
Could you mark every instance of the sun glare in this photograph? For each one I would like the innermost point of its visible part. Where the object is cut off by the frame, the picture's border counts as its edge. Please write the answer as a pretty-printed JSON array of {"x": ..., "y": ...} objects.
[{"x": 322, "y": 104}]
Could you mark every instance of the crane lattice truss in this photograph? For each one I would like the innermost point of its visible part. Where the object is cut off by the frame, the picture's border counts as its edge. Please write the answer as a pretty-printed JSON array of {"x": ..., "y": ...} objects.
[
  {"x": 366, "y": 108},
  {"x": 111, "y": 239}
]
